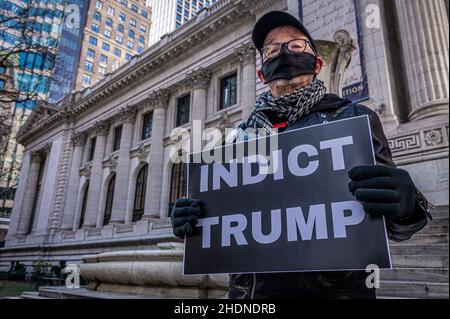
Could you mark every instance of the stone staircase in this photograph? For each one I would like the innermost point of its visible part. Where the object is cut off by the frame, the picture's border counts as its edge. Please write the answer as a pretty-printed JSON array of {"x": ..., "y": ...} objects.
[{"x": 420, "y": 264}]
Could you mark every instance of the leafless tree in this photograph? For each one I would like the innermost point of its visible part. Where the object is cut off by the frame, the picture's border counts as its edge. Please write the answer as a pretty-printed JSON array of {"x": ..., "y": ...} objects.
[{"x": 24, "y": 49}]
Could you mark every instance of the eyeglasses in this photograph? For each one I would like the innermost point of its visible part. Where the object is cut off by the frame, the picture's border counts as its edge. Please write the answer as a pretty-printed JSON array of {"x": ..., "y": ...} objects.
[{"x": 273, "y": 50}]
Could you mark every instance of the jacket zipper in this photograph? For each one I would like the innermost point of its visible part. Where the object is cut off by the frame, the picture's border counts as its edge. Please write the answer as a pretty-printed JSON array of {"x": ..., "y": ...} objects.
[{"x": 252, "y": 291}]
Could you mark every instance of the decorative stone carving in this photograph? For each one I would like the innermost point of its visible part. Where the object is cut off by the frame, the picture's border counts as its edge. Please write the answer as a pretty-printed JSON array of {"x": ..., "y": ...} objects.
[
  {"x": 141, "y": 153},
  {"x": 127, "y": 114},
  {"x": 111, "y": 163},
  {"x": 101, "y": 127},
  {"x": 224, "y": 123},
  {"x": 199, "y": 78},
  {"x": 79, "y": 138},
  {"x": 434, "y": 137},
  {"x": 245, "y": 53},
  {"x": 86, "y": 171},
  {"x": 159, "y": 98}
]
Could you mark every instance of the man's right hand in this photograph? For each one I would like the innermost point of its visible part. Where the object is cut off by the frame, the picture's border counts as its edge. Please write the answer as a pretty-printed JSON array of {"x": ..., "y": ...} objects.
[{"x": 185, "y": 214}]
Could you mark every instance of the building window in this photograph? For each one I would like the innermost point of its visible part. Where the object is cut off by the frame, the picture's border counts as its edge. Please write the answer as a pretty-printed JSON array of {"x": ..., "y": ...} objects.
[
  {"x": 147, "y": 122},
  {"x": 109, "y": 22},
  {"x": 101, "y": 70},
  {"x": 128, "y": 56},
  {"x": 178, "y": 178},
  {"x": 86, "y": 79},
  {"x": 117, "y": 52},
  {"x": 99, "y": 4},
  {"x": 95, "y": 27},
  {"x": 134, "y": 8},
  {"x": 118, "y": 39},
  {"x": 144, "y": 14},
  {"x": 228, "y": 91},
  {"x": 93, "y": 40},
  {"x": 115, "y": 65},
  {"x": 130, "y": 44},
  {"x": 131, "y": 34},
  {"x": 109, "y": 200},
  {"x": 117, "y": 137},
  {"x": 111, "y": 11},
  {"x": 103, "y": 59},
  {"x": 83, "y": 205},
  {"x": 105, "y": 46},
  {"x": 132, "y": 22},
  {"x": 91, "y": 149},
  {"x": 120, "y": 28},
  {"x": 122, "y": 16},
  {"x": 90, "y": 54},
  {"x": 124, "y": 2},
  {"x": 97, "y": 16},
  {"x": 143, "y": 28},
  {"x": 141, "y": 39},
  {"x": 88, "y": 66},
  {"x": 183, "y": 108},
  {"x": 140, "y": 49},
  {"x": 107, "y": 33},
  {"x": 139, "y": 195}
]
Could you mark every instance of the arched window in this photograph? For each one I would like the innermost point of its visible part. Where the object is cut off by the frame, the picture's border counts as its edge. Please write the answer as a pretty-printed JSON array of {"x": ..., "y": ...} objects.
[
  {"x": 178, "y": 180},
  {"x": 97, "y": 16},
  {"x": 141, "y": 39},
  {"x": 83, "y": 205},
  {"x": 120, "y": 28},
  {"x": 109, "y": 22},
  {"x": 139, "y": 195},
  {"x": 131, "y": 34},
  {"x": 109, "y": 200}
]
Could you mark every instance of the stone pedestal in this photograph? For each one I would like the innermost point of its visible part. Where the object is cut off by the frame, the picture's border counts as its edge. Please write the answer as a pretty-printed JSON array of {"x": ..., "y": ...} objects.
[{"x": 154, "y": 273}]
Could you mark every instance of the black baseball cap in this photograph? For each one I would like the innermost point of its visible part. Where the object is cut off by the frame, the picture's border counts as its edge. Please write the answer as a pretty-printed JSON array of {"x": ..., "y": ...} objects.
[{"x": 272, "y": 20}]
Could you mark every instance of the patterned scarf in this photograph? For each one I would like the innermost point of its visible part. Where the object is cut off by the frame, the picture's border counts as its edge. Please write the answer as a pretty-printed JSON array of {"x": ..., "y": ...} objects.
[{"x": 290, "y": 107}]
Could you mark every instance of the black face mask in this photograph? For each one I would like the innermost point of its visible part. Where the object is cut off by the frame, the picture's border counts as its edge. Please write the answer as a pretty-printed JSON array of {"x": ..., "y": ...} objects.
[{"x": 289, "y": 65}]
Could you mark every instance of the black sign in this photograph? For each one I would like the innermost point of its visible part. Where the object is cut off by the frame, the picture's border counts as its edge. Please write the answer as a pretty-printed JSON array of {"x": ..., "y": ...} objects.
[{"x": 288, "y": 211}]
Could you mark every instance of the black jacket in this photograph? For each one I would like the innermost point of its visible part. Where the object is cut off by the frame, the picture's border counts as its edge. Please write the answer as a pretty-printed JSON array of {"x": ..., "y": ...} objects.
[{"x": 346, "y": 284}]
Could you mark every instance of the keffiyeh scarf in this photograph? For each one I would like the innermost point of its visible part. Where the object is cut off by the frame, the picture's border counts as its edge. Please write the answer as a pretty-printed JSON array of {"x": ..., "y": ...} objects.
[{"x": 290, "y": 107}]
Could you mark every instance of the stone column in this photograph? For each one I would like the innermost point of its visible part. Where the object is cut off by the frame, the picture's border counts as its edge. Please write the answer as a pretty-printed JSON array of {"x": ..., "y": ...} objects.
[
  {"x": 424, "y": 36},
  {"x": 199, "y": 80},
  {"x": 37, "y": 159},
  {"x": 119, "y": 206},
  {"x": 78, "y": 141},
  {"x": 95, "y": 183},
  {"x": 159, "y": 100},
  {"x": 246, "y": 55}
]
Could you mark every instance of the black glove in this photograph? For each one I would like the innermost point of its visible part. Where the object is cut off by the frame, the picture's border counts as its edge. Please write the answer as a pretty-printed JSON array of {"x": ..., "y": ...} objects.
[
  {"x": 383, "y": 190},
  {"x": 185, "y": 215}
]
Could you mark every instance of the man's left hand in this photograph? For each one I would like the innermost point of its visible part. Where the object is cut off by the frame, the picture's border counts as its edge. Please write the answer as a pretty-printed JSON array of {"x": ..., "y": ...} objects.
[{"x": 383, "y": 190}]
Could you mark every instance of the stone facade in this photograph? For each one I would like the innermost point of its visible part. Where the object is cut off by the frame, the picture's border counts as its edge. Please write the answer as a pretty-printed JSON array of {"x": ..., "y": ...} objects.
[{"x": 193, "y": 59}]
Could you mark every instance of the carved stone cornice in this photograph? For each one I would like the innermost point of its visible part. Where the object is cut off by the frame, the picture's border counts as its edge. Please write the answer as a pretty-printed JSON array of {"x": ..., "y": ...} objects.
[
  {"x": 160, "y": 98},
  {"x": 245, "y": 53},
  {"x": 199, "y": 78},
  {"x": 78, "y": 138}
]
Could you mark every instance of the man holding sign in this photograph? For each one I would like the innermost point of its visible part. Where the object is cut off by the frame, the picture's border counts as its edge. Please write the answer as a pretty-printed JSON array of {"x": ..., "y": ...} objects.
[{"x": 309, "y": 227}]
